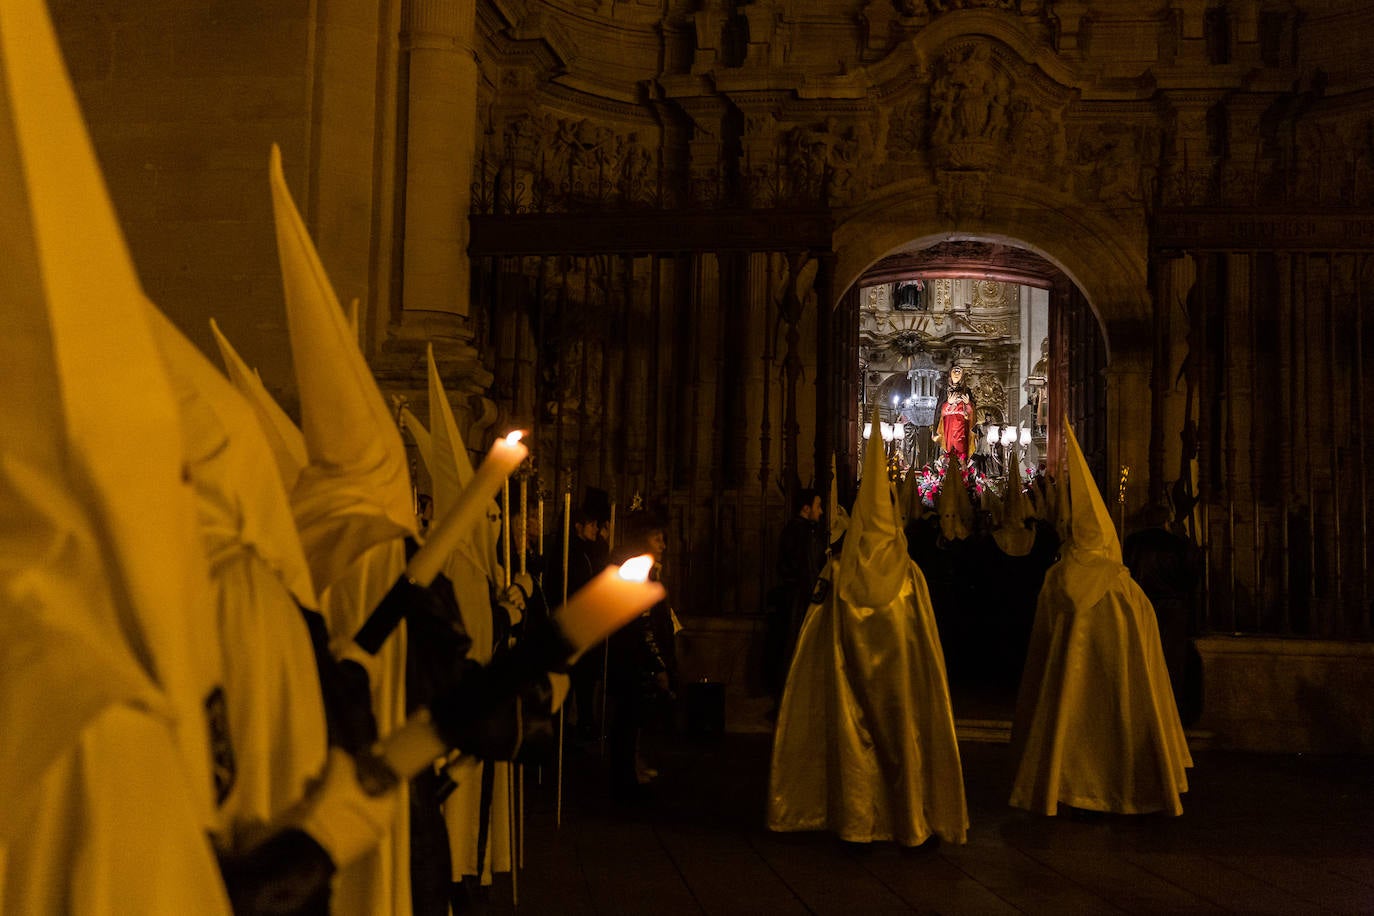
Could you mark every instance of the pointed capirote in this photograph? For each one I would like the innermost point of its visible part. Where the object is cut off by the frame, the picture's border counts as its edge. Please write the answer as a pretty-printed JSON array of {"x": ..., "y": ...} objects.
[
  {"x": 1091, "y": 528},
  {"x": 283, "y": 435},
  {"x": 355, "y": 492},
  {"x": 953, "y": 493},
  {"x": 452, "y": 470},
  {"x": 423, "y": 441},
  {"x": 90, "y": 421},
  {"x": 1015, "y": 507},
  {"x": 226, "y": 447},
  {"x": 874, "y": 560}
]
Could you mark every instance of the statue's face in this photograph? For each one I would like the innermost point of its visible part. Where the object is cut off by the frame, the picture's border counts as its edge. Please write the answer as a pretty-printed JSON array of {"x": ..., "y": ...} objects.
[{"x": 956, "y": 375}]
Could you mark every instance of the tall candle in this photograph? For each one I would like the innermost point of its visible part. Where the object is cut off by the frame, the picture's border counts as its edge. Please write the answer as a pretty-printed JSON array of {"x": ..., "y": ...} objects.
[
  {"x": 602, "y": 606},
  {"x": 567, "y": 540},
  {"x": 610, "y": 529},
  {"x": 505, "y": 529},
  {"x": 610, "y": 600},
  {"x": 524, "y": 528},
  {"x": 470, "y": 509},
  {"x": 541, "y": 524}
]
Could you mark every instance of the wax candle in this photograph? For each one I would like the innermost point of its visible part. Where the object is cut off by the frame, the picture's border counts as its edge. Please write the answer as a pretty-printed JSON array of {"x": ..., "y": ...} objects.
[
  {"x": 524, "y": 538},
  {"x": 470, "y": 509},
  {"x": 602, "y": 606},
  {"x": 610, "y": 600}
]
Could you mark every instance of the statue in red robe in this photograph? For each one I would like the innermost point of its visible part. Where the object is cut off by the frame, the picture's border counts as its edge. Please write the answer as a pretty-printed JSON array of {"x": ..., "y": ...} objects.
[{"x": 954, "y": 417}]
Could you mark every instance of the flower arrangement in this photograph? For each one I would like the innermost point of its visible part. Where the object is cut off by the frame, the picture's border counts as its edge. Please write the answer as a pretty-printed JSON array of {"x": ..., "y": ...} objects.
[{"x": 933, "y": 476}]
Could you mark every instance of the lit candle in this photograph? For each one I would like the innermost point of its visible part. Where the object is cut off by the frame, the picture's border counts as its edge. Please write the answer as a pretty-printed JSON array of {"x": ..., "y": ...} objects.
[
  {"x": 524, "y": 528},
  {"x": 505, "y": 456},
  {"x": 602, "y": 606},
  {"x": 609, "y": 601}
]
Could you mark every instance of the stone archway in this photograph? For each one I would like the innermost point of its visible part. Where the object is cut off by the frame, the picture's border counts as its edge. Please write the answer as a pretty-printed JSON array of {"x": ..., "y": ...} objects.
[{"x": 1101, "y": 253}]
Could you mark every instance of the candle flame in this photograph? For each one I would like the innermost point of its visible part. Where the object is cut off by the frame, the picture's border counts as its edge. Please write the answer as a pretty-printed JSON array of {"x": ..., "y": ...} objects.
[
  {"x": 513, "y": 438},
  {"x": 637, "y": 568}
]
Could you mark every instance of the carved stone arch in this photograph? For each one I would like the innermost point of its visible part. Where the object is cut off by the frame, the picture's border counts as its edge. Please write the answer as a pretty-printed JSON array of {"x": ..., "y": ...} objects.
[{"x": 1102, "y": 255}]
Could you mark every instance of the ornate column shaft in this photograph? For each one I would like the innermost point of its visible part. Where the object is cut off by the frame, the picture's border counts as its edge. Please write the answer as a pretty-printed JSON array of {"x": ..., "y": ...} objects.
[{"x": 441, "y": 136}]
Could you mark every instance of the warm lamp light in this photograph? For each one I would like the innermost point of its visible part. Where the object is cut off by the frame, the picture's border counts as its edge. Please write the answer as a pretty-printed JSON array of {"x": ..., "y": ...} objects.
[
  {"x": 992, "y": 434},
  {"x": 1008, "y": 435},
  {"x": 1025, "y": 435}
]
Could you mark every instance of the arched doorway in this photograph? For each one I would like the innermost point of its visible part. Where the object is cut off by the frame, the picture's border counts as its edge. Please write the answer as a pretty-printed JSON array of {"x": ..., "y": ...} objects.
[{"x": 1034, "y": 353}]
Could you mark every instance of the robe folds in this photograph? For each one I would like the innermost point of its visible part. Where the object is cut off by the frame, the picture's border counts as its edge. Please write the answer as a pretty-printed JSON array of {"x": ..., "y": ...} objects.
[
  {"x": 1096, "y": 723},
  {"x": 865, "y": 743}
]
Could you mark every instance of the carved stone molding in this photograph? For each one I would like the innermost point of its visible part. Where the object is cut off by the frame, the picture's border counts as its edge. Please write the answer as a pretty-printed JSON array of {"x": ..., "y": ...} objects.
[{"x": 962, "y": 194}]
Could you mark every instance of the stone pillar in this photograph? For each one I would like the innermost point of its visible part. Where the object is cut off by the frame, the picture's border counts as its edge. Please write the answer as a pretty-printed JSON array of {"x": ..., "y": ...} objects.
[
  {"x": 440, "y": 140},
  {"x": 441, "y": 136}
]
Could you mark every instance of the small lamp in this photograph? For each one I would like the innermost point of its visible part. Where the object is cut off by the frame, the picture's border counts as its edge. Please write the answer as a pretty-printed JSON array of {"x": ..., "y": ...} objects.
[
  {"x": 992, "y": 434},
  {"x": 1009, "y": 435},
  {"x": 1025, "y": 436}
]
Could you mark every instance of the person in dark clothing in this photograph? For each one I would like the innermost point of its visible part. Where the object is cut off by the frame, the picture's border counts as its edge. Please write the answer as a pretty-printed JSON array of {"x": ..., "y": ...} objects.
[
  {"x": 1168, "y": 568},
  {"x": 641, "y": 666},
  {"x": 801, "y": 557},
  {"x": 588, "y": 554}
]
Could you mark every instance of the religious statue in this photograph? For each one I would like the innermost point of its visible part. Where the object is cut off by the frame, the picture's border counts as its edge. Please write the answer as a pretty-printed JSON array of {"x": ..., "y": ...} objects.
[{"x": 954, "y": 418}]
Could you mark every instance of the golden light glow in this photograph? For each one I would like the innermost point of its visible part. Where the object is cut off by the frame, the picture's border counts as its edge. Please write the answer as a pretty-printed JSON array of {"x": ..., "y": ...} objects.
[
  {"x": 514, "y": 437},
  {"x": 637, "y": 568}
]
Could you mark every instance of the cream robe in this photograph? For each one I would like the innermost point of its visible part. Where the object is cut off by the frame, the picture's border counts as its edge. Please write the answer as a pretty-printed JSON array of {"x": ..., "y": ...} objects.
[
  {"x": 113, "y": 830},
  {"x": 1096, "y": 723},
  {"x": 379, "y": 882},
  {"x": 865, "y": 744}
]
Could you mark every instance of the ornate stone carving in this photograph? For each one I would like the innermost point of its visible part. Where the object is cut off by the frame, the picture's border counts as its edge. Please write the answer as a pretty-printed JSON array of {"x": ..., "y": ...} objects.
[
  {"x": 556, "y": 164},
  {"x": 969, "y": 107},
  {"x": 1108, "y": 164},
  {"x": 962, "y": 194}
]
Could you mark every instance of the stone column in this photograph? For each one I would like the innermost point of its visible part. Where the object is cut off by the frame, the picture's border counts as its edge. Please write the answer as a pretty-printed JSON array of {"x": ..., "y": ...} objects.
[{"x": 440, "y": 139}]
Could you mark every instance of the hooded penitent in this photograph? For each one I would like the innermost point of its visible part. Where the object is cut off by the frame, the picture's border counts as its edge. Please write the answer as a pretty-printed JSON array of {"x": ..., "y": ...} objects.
[
  {"x": 1096, "y": 725},
  {"x": 472, "y": 570},
  {"x": 953, "y": 505},
  {"x": 284, "y": 437},
  {"x": 865, "y": 743},
  {"x": 259, "y": 576},
  {"x": 106, "y": 670},
  {"x": 353, "y": 508}
]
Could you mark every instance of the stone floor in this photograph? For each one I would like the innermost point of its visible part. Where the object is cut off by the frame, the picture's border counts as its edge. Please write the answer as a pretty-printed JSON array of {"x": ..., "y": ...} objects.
[{"x": 1260, "y": 834}]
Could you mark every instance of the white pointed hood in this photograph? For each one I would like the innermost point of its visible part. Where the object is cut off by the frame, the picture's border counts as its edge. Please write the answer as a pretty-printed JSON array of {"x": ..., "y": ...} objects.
[
  {"x": 1090, "y": 561},
  {"x": 91, "y": 486},
  {"x": 423, "y": 441},
  {"x": 452, "y": 471},
  {"x": 355, "y": 493},
  {"x": 1091, "y": 528},
  {"x": 283, "y": 435},
  {"x": 226, "y": 450},
  {"x": 874, "y": 561}
]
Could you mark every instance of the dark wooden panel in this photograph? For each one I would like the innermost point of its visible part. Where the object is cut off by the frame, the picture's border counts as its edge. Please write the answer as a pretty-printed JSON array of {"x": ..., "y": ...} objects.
[{"x": 652, "y": 232}]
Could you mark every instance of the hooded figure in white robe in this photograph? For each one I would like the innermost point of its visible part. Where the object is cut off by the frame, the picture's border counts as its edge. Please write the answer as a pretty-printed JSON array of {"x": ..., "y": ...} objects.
[
  {"x": 282, "y": 435},
  {"x": 260, "y": 582},
  {"x": 1096, "y": 726},
  {"x": 353, "y": 507},
  {"x": 473, "y": 569},
  {"x": 865, "y": 743},
  {"x": 105, "y": 676}
]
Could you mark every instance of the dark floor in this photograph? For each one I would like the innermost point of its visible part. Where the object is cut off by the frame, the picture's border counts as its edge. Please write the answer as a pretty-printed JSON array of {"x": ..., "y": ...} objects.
[{"x": 1260, "y": 834}]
